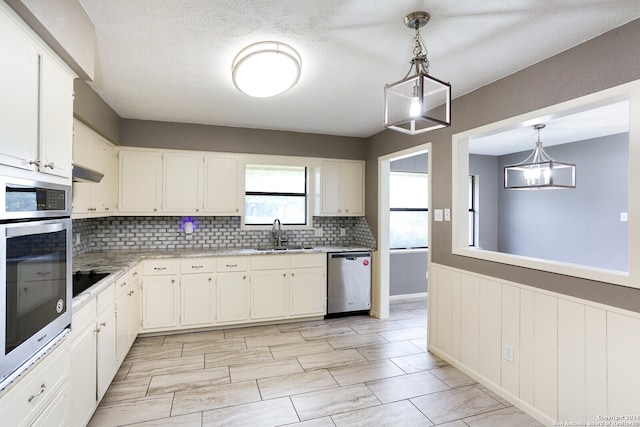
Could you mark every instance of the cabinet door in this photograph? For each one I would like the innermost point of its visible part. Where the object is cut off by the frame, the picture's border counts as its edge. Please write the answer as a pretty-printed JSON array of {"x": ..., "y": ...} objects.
[
  {"x": 58, "y": 411},
  {"x": 232, "y": 297},
  {"x": 135, "y": 295},
  {"x": 140, "y": 182},
  {"x": 269, "y": 294},
  {"x": 106, "y": 365},
  {"x": 353, "y": 188},
  {"x": 123, "y": 329},
  {"x": 56, "y": 108},
  {"x": 308, "y": 292},
  {"x": 182, "y": 183},
  {"x": 198, "y": 299},
  {"x": 223, "y": 192},
  {"x": 160, "y": 307},
  {"x": 19, "y": 67},
  {"x": 105, "y": 193},
  {"x": 83, "y": 376},
  {"x": 331, "y": 188}
]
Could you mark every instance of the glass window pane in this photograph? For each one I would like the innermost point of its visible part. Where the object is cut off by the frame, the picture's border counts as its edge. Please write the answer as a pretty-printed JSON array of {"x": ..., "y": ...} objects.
[
  {"x": 408, "y": 229},
  {"x": 264, "y": 209},
  {"x": 408, "y": 190},
  {"x": 275, "y": 179}
]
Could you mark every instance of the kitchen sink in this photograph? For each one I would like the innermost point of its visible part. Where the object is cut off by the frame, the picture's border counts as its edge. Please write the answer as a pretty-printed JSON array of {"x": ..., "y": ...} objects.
[{"x": 284, "y": 248}]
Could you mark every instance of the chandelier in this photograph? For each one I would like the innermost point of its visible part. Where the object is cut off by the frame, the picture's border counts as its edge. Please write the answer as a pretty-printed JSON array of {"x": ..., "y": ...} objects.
[
  {"x": 417, "y": 103},
  {"x": 539, "y": 171}
]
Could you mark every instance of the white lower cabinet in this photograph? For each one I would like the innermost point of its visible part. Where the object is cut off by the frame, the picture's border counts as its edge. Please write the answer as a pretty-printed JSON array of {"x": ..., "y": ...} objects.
[
  {"x": 42, "y": 395},
  {"x": 107, "y": 364},
  {"x": 269, "y": 294},
  {"x": 232, "y": 298},
  {"x": 127, "y": 313},
  {"x": 83, "y": 365}
]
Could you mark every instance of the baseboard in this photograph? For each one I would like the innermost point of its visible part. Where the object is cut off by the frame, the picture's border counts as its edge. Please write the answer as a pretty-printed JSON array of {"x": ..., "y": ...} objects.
[{"x": 420, "y": 295}]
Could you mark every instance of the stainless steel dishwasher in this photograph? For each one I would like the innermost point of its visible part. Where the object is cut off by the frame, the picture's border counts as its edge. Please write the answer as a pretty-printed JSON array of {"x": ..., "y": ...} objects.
[{"x": 348, "y": 282}]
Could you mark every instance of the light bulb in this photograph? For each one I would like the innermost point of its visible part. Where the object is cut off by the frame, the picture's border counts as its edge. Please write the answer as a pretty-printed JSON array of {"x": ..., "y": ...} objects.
[
  {"x": 547, "y": 175},
  {"x": 414, "y": 108}
]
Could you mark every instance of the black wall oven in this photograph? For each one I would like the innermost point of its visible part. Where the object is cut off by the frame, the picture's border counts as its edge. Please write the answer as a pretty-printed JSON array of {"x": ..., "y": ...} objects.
[{"x": 35, "y": 270}]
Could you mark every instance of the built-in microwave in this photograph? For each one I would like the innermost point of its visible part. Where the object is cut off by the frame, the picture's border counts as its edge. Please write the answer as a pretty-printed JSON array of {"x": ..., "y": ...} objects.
[{"x": 35, "y": 271}]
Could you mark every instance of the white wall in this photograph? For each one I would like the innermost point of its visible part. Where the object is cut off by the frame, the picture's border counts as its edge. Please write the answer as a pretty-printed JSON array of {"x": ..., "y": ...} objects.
[{"x": 574, "y": 360}]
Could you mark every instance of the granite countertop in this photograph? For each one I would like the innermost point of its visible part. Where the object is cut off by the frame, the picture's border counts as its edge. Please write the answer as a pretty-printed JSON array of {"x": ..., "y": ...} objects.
[{"x": 118, "y": 263}]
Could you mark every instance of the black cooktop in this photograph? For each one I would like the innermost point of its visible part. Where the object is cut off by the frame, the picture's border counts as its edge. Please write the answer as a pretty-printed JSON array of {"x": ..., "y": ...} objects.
[{"x": 83, "y": 280}]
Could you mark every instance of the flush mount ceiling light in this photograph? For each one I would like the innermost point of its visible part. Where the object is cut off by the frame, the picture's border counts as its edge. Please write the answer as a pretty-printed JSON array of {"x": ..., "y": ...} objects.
[
  {"x": 266, "y": 69},
  {"x": 539, "y": 171},
  {"x": 417, "y": 103}
]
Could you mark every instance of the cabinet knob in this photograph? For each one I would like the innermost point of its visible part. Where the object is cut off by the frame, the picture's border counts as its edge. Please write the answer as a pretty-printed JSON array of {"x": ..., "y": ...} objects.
[
  {"x": 50, "y": 165},
  {"x": 103, "y": 324},
  {"x": 35, "y": 162},
  {"x": 123, "y": 284},
  {"x": 43, "y": 387}
]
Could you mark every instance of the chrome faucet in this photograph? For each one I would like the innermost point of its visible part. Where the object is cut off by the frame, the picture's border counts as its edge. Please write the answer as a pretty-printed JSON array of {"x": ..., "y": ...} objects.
[{"x": 276, "y": 232}]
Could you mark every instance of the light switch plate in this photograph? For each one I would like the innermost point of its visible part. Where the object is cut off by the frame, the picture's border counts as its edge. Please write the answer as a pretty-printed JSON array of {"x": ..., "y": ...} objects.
[
  {"x": 624, "y": 216},
  {"x": 437, "y": 215},
  {"x": 447, "y": 214},
  {"x": 508, "y": 353}
]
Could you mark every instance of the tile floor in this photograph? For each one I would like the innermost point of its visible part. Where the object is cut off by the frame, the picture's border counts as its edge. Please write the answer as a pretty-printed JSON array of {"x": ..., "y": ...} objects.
[{"x": 348, "y": 371}]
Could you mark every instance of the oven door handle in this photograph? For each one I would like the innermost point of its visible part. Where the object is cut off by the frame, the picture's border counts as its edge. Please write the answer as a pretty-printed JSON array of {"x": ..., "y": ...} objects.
[{"x": 27, "y": 230}]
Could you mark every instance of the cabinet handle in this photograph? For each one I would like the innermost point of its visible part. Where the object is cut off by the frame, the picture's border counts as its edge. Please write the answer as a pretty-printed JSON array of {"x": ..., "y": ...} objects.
[
  {"x": 103, "y": 324},
  {"x": 209, "y": 278},
  {"x": 50, "y": 165},
  {"x": 197, "y": 266},
  {"x": 130, "y": 293},
  {"x": 123, "y": 284},
  {"x": 43, "y": 387},
  {"x": 232, "y": 265},
  {"x": 35, "y": 162},
  {"x": 159, "y": 268},
  {"x": 135, "y": 273}
]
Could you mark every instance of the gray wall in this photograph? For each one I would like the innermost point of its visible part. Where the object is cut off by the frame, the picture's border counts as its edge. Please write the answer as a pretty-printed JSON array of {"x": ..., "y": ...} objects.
[
  {"x": 488, "y": 179},
  {"x": 603, "y": 62},
  {"x": 408, "y": 269},
  {"x": 143, "y": 133},
  {"x": 94, "y": 112},
  {"x": 580, "y": 225}
]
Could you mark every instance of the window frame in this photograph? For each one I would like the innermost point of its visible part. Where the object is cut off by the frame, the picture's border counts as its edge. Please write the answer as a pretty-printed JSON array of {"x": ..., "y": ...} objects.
[{"x": 392, "y": 209}]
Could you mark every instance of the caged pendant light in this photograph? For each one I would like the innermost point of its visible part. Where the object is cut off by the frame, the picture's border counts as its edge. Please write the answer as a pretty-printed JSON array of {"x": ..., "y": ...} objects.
[
  {"x": 417, "y": 103},
  {"x": 539, "y": 171}
]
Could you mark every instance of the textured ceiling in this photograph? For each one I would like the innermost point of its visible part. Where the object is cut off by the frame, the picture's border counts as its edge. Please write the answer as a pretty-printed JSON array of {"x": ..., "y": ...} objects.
[{"x": 170, "y": 60}]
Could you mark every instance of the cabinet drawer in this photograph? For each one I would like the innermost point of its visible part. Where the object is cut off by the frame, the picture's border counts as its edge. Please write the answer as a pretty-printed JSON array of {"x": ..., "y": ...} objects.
[
  {"x": 198, "y": 265},
  {"x": 123, "y": 284},
  {"x": 105, "y": 299},
  {"x": 232, "y": 264},
  {"x": 307, "y": 260},
  {"x": 269, "y": 262},
  {"x": 32, "y": 394},
  {"x": 161, "y": 267},
  {"x": 83, "y": 318}
]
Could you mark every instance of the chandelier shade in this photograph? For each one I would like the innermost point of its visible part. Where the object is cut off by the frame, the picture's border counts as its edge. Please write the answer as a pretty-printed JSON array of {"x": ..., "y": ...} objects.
[
  {"x": 419, "y": 102},
  {"x": 266, "y": 69},
  {"x": 539, "y": 171}
]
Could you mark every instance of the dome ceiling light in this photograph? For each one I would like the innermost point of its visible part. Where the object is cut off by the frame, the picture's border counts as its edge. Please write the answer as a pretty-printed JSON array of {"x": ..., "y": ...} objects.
[
  {"x": 418, "y": 103},
  {"x": 266, "y": 69}
]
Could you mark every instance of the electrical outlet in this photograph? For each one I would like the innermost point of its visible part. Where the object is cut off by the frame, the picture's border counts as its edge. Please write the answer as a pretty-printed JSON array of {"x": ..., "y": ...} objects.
[
  {"x": 508, "y": 353},
  {"x": 624, "y": 216},
  {"x": 343, "y": 232},
  {"x": 319, "y": 232},
  {"x": 77, "y": 238},
  {"x": 437, "y": 215}
]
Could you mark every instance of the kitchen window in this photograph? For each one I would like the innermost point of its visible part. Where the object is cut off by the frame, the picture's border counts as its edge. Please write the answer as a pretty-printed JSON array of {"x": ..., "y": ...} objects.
[
  {"x": 273, "y": 191},
  {"x": 409, "y": 210}
]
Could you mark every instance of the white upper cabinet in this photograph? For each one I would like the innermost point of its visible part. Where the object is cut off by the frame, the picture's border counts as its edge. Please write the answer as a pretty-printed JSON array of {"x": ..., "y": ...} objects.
[
  {"x": 342, "y": 188},
  {"x": 223, "y": 187},
  {"x": 140, "y": 182},
  {"x": 182, "y": 178},
  {"x": 36, "y": 111}
]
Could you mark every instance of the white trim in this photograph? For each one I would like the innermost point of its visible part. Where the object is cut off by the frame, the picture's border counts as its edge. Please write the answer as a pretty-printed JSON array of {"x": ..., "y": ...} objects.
[
  {"x": 460, "y": 172},
  {"x": 417, "y": 295}
]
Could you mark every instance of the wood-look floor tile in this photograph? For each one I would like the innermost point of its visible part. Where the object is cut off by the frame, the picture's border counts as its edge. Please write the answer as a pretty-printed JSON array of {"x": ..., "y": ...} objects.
[
  {"x": 333, "y": 401},
  {"x": 284, "y": 351},
  {"x": 288, "y": 385},
  {"x": 502, "y": 418},
  {"x": 388, "y": 350},
  {"x": 405, "y": 334},
  {"x": 213, "y": 346},
  {"x": 421, "y": 343},
  {"x": 326, "y": 332},
  {"x": 123, "y": 370},
  {"x": 274, "y": 339},
  {"x": 316, "y": 422},
  {"x": 127, "y": 389},
  {"x": 271, "y": 368},
  {"x": 364, "y": 372},
  {"x": 191, "y": 337},
  {"x": 188, "y": 420},
  {"x": 213, "y": 397},
  {"x": 453, "y": 377},
  {"x": 182, "y": 381},
  {"x": 331, "y": 359},
  {"x": 266, "y": 413},
  {"x": 251, "y": 331},
  {"x": 413, "y": 322},
  {"x": 155, "y": 352},
  {"x": 296, "y": 326},
  {"x": 380, "y": 326},
  {"x": 237, "y": 357},
  {"x": 132, "y": 411},
  {"x": 353, "y": 341},
  {"x": 148, "y": 368},
  {"x": 406, "y": 386},
  {"x": 390, "y": 415},
  {"x": 155, "y": 340},
  {"x": 455, "y": 404},
  {"x": 418, "y": 362}
]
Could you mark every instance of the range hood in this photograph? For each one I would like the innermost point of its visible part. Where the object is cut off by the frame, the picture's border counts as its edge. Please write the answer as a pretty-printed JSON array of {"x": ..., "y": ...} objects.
[{"x": 83, "y": 174}]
